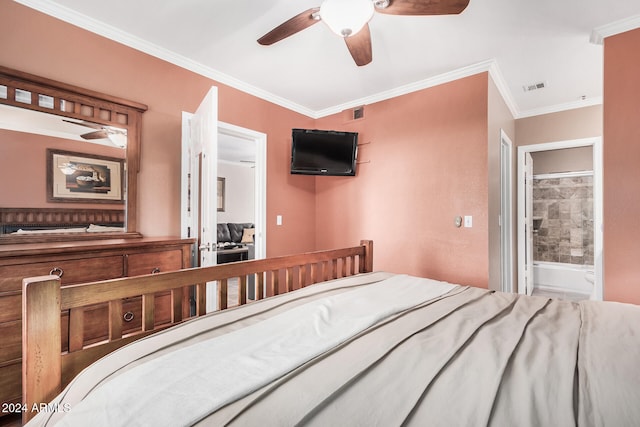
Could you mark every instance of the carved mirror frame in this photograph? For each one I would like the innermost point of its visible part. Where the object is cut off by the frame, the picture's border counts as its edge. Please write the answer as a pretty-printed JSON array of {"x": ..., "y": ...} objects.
[{"x": 37, "y": 93}]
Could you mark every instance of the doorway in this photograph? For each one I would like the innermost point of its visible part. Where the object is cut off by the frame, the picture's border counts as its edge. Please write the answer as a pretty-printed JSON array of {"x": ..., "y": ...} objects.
[
  {"x": 564, "y": 219},
  {"x": 248, "y": 148},
  {"x": 255, "y": 147}
]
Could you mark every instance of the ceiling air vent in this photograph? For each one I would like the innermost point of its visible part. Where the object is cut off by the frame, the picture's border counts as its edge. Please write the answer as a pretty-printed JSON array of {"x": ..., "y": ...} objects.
[
  {"x": 358, "y": 113},
  {"x": 534, "y": 86}
]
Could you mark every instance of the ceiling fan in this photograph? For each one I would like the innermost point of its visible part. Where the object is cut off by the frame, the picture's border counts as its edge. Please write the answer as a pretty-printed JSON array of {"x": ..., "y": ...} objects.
[
  {"x": 350, "y": 20},
  {"x": 116, "y": 136}
]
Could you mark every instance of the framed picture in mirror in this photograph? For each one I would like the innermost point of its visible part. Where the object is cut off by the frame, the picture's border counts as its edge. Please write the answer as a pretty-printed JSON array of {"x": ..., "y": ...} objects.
[{"x": 84, "y": 178}]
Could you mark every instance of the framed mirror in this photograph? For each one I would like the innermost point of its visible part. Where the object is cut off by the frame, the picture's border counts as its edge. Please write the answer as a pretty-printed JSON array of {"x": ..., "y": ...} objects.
[{"x": 70, "y": 161}]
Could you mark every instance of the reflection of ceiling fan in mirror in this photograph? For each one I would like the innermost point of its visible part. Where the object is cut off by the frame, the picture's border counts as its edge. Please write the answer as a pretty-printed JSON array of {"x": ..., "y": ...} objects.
[
  {"x": 350, "y": 20},
  {"x": 117, "y": 137}
]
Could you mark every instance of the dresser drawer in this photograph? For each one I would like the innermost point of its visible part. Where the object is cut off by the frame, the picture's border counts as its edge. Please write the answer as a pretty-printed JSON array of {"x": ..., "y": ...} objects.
[
  {"x": 11, "y": 382},
  {"x": 71, "y": 271},
  {"x": 154, "y": 262},
  {"x": 11, "y": 307},
  {"x": 11, "y": 348}
]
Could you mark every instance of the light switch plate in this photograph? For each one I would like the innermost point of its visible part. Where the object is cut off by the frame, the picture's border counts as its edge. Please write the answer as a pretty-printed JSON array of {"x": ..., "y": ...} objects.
[{"x": 468, "y": 221}]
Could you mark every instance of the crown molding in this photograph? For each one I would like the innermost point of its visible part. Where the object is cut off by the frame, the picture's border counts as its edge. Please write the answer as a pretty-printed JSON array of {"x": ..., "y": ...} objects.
[
  {"x": 561, "y": 107},
  {"x": 627, "y": 24},
  {"x": 503, "y": 88},
  {"x": 491, "y": 66},
  {"x": 74, "y": 18},
  {"x": 79, "y": 20}
]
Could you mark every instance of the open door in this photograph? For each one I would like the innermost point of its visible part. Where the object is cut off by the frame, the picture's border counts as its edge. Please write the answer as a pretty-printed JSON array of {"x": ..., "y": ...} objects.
[{"x": 199, "y": 189}]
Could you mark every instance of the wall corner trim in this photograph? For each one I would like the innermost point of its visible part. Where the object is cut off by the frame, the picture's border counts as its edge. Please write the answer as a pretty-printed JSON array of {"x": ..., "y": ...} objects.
[{"x": 602, "y": 32}]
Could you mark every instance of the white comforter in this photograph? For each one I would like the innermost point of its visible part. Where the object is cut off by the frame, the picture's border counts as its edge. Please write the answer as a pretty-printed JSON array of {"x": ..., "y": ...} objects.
[
  {"x": 185, "y": 385},
  {"x": 374, "y": 349}
]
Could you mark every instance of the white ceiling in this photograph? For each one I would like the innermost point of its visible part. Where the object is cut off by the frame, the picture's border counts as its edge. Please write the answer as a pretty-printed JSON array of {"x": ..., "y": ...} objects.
[
  {"x": 236, "y": 150},
  {"x": 520, "y": 42}
]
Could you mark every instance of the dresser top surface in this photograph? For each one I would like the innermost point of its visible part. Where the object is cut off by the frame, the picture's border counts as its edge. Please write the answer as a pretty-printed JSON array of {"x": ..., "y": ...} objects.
[{"x": 24, "y": 249}]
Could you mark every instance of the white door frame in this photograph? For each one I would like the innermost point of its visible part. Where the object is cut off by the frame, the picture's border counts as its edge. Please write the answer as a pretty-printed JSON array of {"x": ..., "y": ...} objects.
[
  {"x": 260, "y": 215},
  {"x": 506, "y": 213},
  {"x": 596, "y": 144},
  {"x": 190, "y": 185}
]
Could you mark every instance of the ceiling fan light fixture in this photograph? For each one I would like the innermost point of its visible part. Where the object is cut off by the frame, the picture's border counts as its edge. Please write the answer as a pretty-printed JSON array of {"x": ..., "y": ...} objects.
[
  {"x": 346, "y": 17},
  {"x": 381, "y": 4}
]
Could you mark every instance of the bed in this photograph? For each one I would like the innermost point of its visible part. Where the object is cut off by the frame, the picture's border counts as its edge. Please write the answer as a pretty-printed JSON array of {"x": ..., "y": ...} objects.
[
  {"x": 34, "y": 224},
  {"x": 357, "y": 348}
]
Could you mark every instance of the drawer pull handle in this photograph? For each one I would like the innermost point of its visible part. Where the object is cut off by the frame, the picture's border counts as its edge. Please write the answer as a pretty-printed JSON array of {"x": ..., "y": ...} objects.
[
  {"x": 155, "y": 270},
  {"x": 56, "y": 271},
  {"x": 128, "y": 316}
]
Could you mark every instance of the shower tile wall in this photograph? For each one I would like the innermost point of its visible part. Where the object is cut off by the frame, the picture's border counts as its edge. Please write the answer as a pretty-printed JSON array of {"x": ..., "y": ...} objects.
[{"x": 565, "y": 205}]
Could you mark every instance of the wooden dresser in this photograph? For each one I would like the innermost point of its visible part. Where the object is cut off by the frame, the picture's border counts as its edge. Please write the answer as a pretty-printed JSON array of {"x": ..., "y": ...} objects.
[{"x": 79, "y": 262}]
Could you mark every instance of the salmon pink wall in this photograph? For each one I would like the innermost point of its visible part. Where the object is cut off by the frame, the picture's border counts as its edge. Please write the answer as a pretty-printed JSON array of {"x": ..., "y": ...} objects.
[
  {"x": 424, "y": 161},
  {"x": 36, "y": 43},
  {"x": 621, "y": 157},
  {"x": 24, "y": 168}
]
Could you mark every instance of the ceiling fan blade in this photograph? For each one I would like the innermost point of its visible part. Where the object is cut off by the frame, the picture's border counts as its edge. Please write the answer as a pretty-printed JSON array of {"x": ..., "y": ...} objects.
[
  {"x": 99, "y": 134},
  {"x": 297, "y": 23},
  {"x": 424, "y": 7},
  {"x": 359, "y": 45}
]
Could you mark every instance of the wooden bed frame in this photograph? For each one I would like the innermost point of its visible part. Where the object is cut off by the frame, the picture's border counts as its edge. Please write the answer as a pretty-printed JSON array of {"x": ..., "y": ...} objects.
[
  {"x": 45, "y": 370},
  {"x": 12, "y": 219}
]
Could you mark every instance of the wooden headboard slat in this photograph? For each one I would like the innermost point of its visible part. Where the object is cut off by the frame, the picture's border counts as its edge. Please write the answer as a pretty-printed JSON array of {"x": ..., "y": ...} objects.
[
  {"x": 12, "y": 219},
  {"x": 55, "y": 216}
]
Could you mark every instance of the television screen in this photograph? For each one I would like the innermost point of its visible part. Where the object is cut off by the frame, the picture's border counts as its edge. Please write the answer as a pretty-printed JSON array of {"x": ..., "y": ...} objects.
[{"x": 323, "y": 152}]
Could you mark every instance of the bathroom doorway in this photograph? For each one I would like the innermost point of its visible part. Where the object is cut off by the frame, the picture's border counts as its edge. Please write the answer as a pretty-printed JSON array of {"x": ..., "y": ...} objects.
[{"x": 560, "y": 219}]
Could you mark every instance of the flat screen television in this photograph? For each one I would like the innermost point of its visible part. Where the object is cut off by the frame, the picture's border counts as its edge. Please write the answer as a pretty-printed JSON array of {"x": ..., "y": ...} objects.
[{"x": 323, "y": 152}]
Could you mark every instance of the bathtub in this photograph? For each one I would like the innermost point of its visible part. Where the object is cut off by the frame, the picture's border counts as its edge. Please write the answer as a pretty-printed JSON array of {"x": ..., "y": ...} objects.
[{"x": 559, "y": 276}]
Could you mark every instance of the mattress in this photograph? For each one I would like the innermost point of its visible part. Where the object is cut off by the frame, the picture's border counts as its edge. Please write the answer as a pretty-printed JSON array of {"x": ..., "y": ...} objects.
[{"x": 373, "y": 349}]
